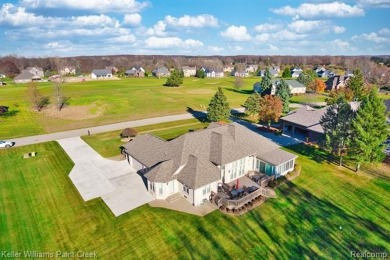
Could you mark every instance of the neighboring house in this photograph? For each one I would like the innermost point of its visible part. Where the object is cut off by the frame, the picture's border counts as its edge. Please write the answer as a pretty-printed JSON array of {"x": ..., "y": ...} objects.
[
  {"x": 296, "y": 87},
  {"x": 326, "y": 74},
  {"x": 67, "y": 70},
  {"x": 24, "y": 77},
  {"x": 101, "y": 74},
  {"x": 2, "y": 76},
  {"x": 213, "y": 73},
  {"x": 295, "y": 72},
  {"x": 161, "y": 72},
  {"x": 194, "y": 164},
  {"x": 136, "y": 72},
  {"x": 336, "y": 82},
  {"x": 304, "y": 123},
  {"x": 189, "y": 71},
  {"x": 37, "y": 72},
  {"x": 228, "y": 68},
  {"x": 274, "y": 71},
  {"x": 240, "y": 73},
  {"x": 251, "y": 68}
]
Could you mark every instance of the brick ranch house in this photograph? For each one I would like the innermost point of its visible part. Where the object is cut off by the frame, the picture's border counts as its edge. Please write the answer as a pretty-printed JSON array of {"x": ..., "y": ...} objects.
[{"x": 195, "y": 163}]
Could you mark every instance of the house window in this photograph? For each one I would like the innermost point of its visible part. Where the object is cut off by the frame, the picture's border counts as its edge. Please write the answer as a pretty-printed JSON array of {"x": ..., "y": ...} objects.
[
  {"x": 160, "y": 190},
  {"x": 151, "y": 186},
  {"x": 186, "y": 189},
  {"x": 206, "y": 189}
]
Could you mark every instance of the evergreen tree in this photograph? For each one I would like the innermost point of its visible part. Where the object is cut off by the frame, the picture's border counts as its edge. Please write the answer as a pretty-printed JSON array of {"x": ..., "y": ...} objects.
[
  {"x": 200, "y": 74},
  {"x": 266, "y": 81},
  {"x": 175, "y": 79},
  {"x": 286, "y": 73},
  {"x": 336, "y": 123},
  {"x": 252, "y": 104},
  {"x": 218, "y": 109},
  {"x": 284, "y": 93},
  {"x": 356, "y": 84},
  {"x": 307, "y": 77},
  {"x": 369, "y": 130}
]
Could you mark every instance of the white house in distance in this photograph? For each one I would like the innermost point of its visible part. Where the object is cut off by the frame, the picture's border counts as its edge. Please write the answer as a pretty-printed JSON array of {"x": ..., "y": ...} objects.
[
  {"x": 296, "y": 87},
  {"x": 101, "y": 74},
  {"x": 189, "y": 71},
  {"x": 67, "y": 70},
  {"x": 194, "y": 164},
  {"x": 36, "y": 71}
]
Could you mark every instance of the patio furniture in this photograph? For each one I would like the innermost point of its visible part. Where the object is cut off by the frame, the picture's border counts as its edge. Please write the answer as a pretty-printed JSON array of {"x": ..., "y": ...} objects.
[
  {"x": 220, "y": 189},
  {"x": 234, "y": 193}
]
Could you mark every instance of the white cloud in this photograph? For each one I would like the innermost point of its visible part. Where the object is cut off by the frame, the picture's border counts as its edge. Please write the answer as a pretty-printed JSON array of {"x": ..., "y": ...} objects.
[
  {"x": 199, "y": 21},
  {"x": 129, "y": 38},
  {"x": 214, "y": 48},
  {"x": 236, "y": 33},
  {"x": 92, "y": 20},
  {"x": 132, "y": 19},
  {"x": 272, "y": 47},
  {"x": 238, "y": 48},
  {"x": 382, "y": 36},
  {"x": 171, "y": 42},
  {"x": 302, "y": 26},
  {"x": 102, "y": 6},
  {"x": 158, "y": 29},
  {"x": 17, "y": 16},
  {"x": 288, "y": 35},
  {"x": 267, "y": 27},
  {"x": 338, "y": 29},
  {"x": 310, "y": 10},
  {"x": 264, "y": 37},
  {"x": 340, "y": 45},
  {"x": 374, "y": 3}
]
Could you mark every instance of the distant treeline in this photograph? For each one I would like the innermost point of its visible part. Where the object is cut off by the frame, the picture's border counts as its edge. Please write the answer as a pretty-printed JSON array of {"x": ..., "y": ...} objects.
[
  {"x": 11, "y": 65},
  {"x": 381, "y": 60}
]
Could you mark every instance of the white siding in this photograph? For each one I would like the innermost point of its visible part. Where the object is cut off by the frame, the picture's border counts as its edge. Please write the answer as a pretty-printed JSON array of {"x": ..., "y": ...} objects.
[
  {"x": 203, "y": 193},
  {"x": 162, "y": 191},
  {"x": 237, "y": 169}
]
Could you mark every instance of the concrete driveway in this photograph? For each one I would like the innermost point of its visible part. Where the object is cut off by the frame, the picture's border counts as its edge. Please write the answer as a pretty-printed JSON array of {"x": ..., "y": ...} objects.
[{"x": 120, "y": 187}]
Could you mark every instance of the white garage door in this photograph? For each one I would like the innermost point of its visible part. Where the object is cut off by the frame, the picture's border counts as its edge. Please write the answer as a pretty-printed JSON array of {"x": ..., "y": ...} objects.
[{"x": 136, "y": 164}]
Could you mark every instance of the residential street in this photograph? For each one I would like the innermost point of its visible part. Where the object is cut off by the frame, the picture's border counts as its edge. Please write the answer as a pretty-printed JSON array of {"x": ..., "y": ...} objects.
[{"x": 97, "y": 129}]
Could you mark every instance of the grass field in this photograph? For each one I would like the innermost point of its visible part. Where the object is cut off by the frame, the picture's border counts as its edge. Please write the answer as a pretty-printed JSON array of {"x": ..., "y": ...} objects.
[
  {"x": 107, "y": 144},
  {"x": 327, "y": 212},
  {"x": 108, "y": 101}
]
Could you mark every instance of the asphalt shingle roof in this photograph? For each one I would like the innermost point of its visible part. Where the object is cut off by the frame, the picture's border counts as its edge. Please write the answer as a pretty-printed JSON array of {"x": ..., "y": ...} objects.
[{"x": 194, "y": 156}]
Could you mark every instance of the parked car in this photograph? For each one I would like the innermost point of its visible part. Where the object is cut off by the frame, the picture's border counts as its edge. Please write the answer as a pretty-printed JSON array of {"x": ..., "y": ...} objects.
[{"x": 6, "y": 144}]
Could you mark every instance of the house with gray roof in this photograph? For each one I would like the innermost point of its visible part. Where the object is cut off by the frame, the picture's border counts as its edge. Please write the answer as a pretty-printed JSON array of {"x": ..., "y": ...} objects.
[
  {"x": 189, "y": 71},
  {"x": 336, "y": 82},
  {"x": 36, "y": 71},
  {"x": 161, "y": 72},
  {"x": 296, "y": 87},
  {"x": 195, "y": 164},
  {"x": 24, "y": 77},
  {"x": 304, "y": 123},
  {"x": 136, "y": 72},
  {"x": 101, "y": 74}
]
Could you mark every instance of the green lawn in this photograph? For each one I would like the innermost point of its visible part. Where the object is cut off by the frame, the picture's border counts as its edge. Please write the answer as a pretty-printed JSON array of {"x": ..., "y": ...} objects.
[
  {"x": 325, "y": 213},
  {"x": 309, "y": 98},
  {"x": 107, "y": 144},
  {"x": 112, "y": 101}
]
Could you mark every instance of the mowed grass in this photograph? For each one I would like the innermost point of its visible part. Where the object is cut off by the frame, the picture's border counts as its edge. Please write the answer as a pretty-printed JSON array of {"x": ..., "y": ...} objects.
[
  {"x": 114, "y": 101},
  {"x": 309, "y": 98},
  {"x": 325, "y": 213},
  {"x": 107, "y": 144}
]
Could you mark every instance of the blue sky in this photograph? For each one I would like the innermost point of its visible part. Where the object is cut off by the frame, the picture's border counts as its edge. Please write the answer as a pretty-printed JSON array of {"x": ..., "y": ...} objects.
[{"x": 194, "y": 27}]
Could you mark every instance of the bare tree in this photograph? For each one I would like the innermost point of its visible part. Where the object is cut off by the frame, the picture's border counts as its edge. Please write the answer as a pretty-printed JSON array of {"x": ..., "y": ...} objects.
[
  {"x": 35, "y": 96},
  {"x": 58, "y": 94}
]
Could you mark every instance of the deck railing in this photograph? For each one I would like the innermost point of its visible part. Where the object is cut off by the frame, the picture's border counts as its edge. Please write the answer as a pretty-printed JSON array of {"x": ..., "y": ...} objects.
[{"x": 242, "y": 201}]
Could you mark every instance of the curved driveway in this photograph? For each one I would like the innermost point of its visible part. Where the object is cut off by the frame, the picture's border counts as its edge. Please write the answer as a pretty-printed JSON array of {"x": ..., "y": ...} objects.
[{"x": 120, "y": 187}]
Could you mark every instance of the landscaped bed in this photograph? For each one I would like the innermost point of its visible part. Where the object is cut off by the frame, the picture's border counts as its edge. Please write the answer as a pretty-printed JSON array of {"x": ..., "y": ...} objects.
[{"x": 327, "y": 212}]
